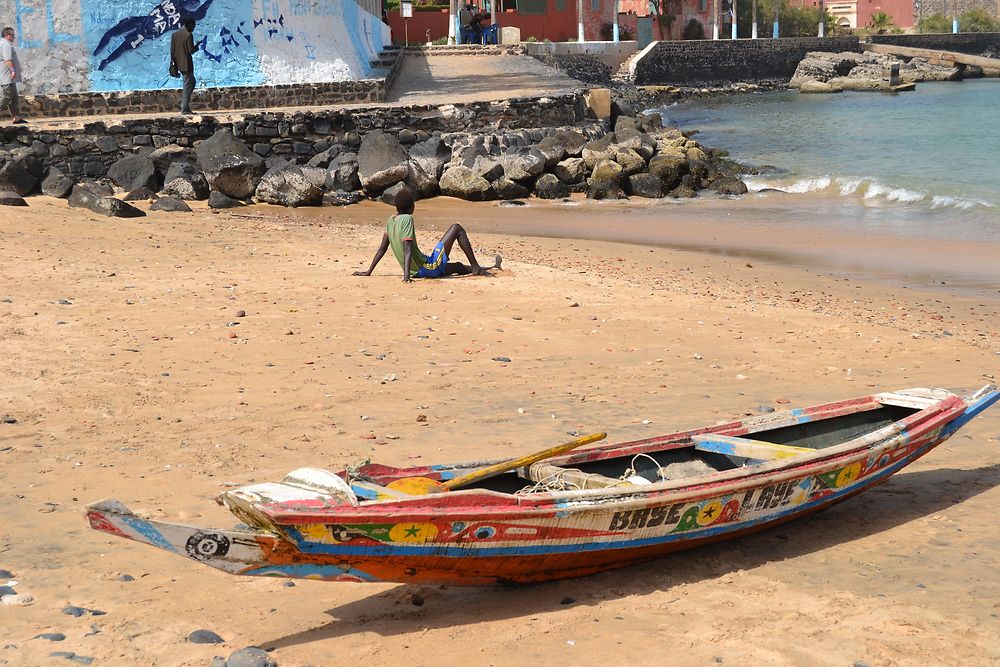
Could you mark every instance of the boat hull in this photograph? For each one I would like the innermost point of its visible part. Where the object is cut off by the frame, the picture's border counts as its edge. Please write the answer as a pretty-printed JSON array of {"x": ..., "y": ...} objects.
[{"x": 485, "y": 538}]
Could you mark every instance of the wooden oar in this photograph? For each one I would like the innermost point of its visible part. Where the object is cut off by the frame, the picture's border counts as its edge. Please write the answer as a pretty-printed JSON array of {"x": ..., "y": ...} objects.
[{"x": 424, "y": 485}]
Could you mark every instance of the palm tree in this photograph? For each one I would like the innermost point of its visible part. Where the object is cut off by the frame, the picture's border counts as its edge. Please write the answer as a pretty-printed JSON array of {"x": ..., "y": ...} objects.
[{"x": 881, "y": 23}]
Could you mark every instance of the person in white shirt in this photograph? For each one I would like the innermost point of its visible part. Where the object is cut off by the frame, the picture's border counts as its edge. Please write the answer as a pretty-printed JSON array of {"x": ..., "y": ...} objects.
[{"x": 10, "y": 75}]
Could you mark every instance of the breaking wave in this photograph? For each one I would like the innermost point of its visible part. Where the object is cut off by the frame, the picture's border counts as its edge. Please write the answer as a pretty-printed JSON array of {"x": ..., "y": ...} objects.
[{"x": 867, "y": 191}]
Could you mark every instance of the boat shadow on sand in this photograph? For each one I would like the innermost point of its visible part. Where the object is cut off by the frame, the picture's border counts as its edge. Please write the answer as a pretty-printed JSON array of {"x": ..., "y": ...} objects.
[{"x": 903, "y": 498}]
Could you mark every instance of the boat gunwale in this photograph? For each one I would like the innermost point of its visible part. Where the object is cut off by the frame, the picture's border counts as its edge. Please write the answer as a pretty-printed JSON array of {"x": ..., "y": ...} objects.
[{"x": 912, "y": 427}]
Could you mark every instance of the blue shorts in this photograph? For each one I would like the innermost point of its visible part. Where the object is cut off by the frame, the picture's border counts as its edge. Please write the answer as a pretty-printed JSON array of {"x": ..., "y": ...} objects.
[{"x": 435, "y": 264}]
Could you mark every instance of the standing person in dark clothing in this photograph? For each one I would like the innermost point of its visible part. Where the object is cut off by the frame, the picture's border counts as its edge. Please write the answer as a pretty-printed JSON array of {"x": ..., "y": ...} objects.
[
  {"x": 181, "y": 50},
  {"x": 10, "y": 75}
]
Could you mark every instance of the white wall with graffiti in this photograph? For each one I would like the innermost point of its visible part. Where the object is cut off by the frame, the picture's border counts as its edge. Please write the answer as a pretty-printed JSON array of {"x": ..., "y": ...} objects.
[{"x": 70, "y": 46}]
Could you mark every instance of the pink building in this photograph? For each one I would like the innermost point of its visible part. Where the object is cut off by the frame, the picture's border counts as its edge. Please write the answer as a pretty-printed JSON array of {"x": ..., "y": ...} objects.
[
  {"x": 669, "y": 16},
  {"x": 858, "y": 13}
]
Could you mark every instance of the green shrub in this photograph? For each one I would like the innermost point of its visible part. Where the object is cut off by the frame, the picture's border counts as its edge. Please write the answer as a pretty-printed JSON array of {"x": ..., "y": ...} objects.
[
  {"x": 935, "y": 23},
  {"x": 978, "y": 20}
]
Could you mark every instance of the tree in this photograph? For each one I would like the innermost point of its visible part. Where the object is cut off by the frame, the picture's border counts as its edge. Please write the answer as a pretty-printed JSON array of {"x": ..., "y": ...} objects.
[
  {"x": 693, "y": 29},
  {"x": 881, "y": 23}
]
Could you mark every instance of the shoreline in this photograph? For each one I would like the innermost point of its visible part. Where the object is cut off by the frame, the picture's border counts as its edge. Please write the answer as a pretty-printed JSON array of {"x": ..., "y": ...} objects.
[
  {"x": 141, "y": 387},
  {"x": 711, "y": 226}
]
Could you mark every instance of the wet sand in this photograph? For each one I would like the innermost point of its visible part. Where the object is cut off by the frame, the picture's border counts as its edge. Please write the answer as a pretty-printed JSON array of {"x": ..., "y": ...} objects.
[{"x": 145, "y": 386}]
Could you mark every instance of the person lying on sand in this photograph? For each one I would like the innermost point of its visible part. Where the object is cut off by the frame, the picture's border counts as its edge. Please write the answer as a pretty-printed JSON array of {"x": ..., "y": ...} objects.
[{"x": 400, "y": 234}]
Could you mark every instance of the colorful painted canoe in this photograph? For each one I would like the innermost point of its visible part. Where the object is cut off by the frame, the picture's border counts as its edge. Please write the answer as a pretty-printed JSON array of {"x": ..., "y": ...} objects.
[{"x": 574, "y": 514}]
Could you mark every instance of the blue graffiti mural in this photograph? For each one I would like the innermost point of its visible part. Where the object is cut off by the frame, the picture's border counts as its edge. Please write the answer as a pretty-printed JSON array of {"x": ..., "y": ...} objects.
[
  {"x": 134, "y": 52},
  {"x": 133, "y": 31},
  {"x": 124, "y": 44}
]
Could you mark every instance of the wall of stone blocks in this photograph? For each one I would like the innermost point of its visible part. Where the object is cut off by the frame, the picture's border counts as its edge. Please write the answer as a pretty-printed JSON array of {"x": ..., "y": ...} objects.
[
  {"x": 950, "y": 7},
  {"x": 709, "y": 62},
  {"x": 986, "y": 44},
  {"x": 295, "y": 136},
  {"x": 206, "y": 100}
]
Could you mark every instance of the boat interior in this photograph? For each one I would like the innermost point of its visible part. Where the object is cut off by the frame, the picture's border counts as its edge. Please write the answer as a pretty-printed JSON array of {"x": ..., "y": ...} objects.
[
  {"x": 672, "y": 457},
  {"x": 692, "y": 456}
]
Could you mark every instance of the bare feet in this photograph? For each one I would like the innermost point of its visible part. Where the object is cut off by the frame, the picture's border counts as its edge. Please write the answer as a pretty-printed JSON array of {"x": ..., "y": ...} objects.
[{"x": 484, "y": 270}]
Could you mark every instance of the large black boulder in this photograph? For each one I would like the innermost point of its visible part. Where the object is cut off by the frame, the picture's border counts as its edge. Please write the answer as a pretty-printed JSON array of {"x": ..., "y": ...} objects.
[
  {"x": 549, "y": 187},
  {"x": 669, "y": 168},
  {"x": 171, "y": 204},
  {"x": 729, "y": 185},
  {"x": 606, "y": 181},
  {"x": 15, "y": 178},
  {"x": 134, "y": 171},
  {"x": 109, "y": 206},
  {"x": 8, "y": 198},
  {"x": 382, "y": 162},
  {"x": 165, "y": 156},
  {"x": 229, "y": 166},
  {"x": 286, "y": 185},
  {"x": 218, "y": 200},
  {"x": 508, "y": 190},
  {"x": 57, "y": 184},
  {"x": 185, "y": 180},
  {"x": 646, "y": 185},
  {"x": 464, "y": 183},
  {"x": 342, "y": 173}
]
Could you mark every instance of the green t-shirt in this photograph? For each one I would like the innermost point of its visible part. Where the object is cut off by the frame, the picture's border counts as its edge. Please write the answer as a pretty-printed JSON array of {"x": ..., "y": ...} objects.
[{"x": 399, "y": 228}]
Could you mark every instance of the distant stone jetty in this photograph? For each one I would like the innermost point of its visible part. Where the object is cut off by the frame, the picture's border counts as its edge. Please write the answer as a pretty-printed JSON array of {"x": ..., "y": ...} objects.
[{"x": 824, "y": 72}]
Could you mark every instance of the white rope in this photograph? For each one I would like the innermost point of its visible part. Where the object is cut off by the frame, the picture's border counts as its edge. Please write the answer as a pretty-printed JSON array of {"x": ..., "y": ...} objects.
[{"x": 630, "y": 471}]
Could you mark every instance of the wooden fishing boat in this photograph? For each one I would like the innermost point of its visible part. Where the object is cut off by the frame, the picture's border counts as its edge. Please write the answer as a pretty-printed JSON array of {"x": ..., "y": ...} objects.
[{"x": 562, "y": 513}]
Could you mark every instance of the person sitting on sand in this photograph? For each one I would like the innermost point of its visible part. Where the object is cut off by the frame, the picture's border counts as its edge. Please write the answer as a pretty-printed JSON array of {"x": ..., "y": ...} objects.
[{"x": 400, "y": 234}]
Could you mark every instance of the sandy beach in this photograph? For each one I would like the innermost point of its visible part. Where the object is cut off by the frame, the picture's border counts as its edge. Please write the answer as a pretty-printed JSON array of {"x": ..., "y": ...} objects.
[{"x": 131, "y": 376}]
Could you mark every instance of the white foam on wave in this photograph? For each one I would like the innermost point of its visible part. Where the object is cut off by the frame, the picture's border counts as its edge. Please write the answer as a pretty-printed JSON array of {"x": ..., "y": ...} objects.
[
  {"x": 848, "y": 186},
  {"x": 805, "y": 185},
  {"x": 869, "y": 190},
  {"x": 942, "y": 201},
  {"x": 889, "y": 193}
]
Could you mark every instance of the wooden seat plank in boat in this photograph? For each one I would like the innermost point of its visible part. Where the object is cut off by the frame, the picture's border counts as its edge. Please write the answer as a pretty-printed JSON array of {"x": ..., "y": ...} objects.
[{"x": 745, "y": 447}]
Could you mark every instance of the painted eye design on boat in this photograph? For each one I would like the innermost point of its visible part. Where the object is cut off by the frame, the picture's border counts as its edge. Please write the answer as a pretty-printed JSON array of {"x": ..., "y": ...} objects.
[
  {"x": 203, "y": 546},
  {"x": 485, "y": 532}
]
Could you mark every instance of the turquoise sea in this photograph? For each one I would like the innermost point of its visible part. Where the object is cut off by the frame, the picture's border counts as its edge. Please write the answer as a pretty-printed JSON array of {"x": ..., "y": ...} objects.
[{"x": 924, "y": 163}]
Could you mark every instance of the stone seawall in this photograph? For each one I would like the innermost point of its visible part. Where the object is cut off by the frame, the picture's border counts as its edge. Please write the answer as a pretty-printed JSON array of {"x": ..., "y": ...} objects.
[
  {"x": 206, "y": 99},
  {"x": 295, "y": 136},
  {"x": 700, "y": 62},
  {"x": 986, "y": 44}
]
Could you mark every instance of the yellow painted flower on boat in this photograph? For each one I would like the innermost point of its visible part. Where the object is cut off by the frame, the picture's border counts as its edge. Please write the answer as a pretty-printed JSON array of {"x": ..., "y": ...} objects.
[
  {"x": 848, "y": 475},
  {"x": 317, "y": 532},
  {"x": 413, "y": 532}
]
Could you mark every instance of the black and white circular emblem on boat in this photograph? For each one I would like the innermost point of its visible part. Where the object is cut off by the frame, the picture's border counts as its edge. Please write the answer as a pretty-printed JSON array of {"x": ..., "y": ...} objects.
[{"x": 207, "y": 545}]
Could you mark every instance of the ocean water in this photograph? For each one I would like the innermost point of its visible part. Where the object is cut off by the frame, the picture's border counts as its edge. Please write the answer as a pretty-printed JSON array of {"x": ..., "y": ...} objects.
[{"x": 924, "y": 163}]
